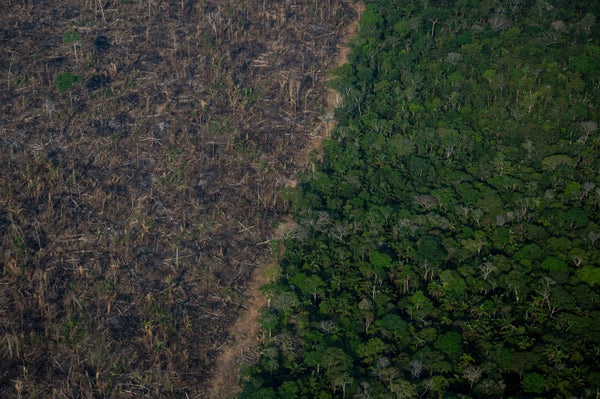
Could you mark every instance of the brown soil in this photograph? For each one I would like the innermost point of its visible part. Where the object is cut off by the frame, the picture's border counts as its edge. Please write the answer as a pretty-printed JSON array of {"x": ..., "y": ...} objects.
[{"x": 242, "y": 346}]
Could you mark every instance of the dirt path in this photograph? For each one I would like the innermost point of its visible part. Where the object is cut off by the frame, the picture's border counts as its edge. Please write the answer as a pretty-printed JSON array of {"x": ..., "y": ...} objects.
[
  {"x": 244, "y": 334},
  {"x": 333, "y": 97}
]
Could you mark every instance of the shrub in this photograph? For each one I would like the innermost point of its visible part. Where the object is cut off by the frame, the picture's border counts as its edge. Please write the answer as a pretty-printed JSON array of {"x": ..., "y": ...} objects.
[{"x": 65, "y": 81}]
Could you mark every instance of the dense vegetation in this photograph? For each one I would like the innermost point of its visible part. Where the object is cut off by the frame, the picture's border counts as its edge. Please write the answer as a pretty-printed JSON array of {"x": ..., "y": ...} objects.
[{"x": 447, "y": 241}]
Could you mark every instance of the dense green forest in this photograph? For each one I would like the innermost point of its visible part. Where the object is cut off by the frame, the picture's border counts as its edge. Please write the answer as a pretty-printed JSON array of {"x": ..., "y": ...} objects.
[{"x": 447, "y": 239}]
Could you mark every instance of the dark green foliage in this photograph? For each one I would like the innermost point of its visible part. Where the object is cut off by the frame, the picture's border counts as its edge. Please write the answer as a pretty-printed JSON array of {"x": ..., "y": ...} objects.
[
  {"x": 65, "y": 81},
  {"x": 70, "y": 37},
  {"x": 450, "y": 343},
  {"x": 455, "y": 214},
  {"x": 534, "y": 383}
]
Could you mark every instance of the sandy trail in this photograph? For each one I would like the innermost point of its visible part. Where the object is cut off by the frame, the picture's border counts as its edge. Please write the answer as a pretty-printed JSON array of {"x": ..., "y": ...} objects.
[{"x": 244, "y": 334}]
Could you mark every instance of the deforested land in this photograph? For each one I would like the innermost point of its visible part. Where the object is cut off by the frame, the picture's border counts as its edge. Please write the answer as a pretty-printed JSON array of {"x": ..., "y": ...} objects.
[{"x": 143, "y": 149}]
